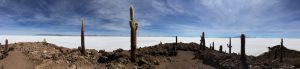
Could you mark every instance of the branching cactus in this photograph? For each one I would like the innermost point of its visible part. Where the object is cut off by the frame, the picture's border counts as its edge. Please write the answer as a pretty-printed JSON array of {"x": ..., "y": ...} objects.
[
  {"x": 281, "y": 50},
  {"x": 243, "y": 54},
  {"x": 220, "y": 49},
  {"x": 133, "y": 26},
  {"x": 82, "y": 50},
  {"x": 229, "y": 45}
]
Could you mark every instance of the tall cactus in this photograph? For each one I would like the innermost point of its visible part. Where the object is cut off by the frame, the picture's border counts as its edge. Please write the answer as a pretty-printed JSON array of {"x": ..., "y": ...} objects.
[
  {"x": 213, "y": 46},
  {"x": 229, "y": 45},
  {"x": 281, "y": 50},
  {"x": 174, "y": 53},
  {"x": 82, "y": 37},
  {"x": 243, "y": 40},
  {"x": 134, "y": 26},
  {"x": 176, "y": 44},
  {"x": 176, "y": 41},
  {"x": 200, "y": 46},
  {"x": 220, "y": 49},
  {"x": 203, "y": 41},
  {"x": 6, "y": 45}
]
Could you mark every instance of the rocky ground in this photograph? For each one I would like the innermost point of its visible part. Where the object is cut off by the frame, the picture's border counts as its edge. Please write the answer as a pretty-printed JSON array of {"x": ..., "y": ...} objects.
[{"x": 42, "y": 55}]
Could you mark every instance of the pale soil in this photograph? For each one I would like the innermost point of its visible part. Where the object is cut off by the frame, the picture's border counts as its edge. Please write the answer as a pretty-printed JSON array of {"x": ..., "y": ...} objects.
[
  {"x": 16, "y": 60},
  {"x": 184, "y": 60}
]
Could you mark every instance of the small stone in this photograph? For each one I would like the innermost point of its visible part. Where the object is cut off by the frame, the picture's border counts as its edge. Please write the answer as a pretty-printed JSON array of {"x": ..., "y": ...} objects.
[{"x": 142, "y": 62}]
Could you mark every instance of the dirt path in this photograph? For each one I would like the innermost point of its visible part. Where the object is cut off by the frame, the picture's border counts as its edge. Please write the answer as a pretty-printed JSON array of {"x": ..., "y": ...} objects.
[
  {"x": 16, "y": 60},
  {"x": 184, "y": 60}
]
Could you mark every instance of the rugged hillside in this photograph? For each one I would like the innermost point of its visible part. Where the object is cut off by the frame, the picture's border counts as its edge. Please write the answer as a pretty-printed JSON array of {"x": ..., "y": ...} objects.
[
  {"x": 271, "y": 58},
  {"x": 41, "y": 55}
]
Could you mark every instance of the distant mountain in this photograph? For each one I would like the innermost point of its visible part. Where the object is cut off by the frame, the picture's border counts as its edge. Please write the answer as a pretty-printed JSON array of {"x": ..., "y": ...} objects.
[
  {"x": 238, "y": 37},
  {"x": 72, "y": 35},
  {"x": 53, "y": 35},
  {"x": 95, "y": 35}
]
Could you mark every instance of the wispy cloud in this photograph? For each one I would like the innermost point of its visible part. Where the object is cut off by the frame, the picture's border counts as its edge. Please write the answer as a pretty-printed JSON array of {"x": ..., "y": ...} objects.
[{"x": 155, "y": 17}]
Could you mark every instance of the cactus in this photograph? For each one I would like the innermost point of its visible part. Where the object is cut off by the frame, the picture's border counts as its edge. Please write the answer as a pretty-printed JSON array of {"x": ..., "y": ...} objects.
[
  {"x": 200, "y": 46},
  {"x": 134, "y": 26},
  {"x": 244, "y": 64},
  {"x": 82, "y": 50},
  {"x": 203, "y": 41},
  {"x": 243, "y": 54},
  {"x": 44, "y": 40},
  {"x": 176, "y": 40},
  {"x": 220, "y": 49},
  {"x": 229, "y": 45},
  {"x": 176, "y": 43},
  {"x": 6, "y": 45},
  {"x": 174, "y": 53},
  {"x": 213, "y": 46},
  {"x": 281, "y": 51},
  {"x": 160, "y": 43}
]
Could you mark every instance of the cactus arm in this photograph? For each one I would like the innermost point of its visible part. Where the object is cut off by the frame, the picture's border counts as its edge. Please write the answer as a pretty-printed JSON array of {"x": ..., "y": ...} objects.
[{"x": 136, "y": 26}]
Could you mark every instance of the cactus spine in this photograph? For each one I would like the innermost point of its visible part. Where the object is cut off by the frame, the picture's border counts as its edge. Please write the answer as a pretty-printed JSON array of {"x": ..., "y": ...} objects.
[
  {"x": 229, "y": 46},
  {"x": 243, "y": 55},
  {"x": 82, "y": 37},
  {"x": 281, "y": 50},
  {"x": 134, "y": 26}
]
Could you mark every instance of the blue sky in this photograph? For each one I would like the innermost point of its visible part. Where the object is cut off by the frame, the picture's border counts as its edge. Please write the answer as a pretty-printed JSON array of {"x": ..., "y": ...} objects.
[{"x": 218, "y": 18}]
